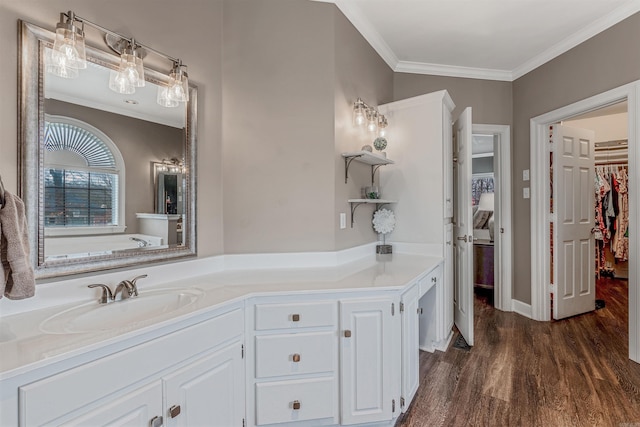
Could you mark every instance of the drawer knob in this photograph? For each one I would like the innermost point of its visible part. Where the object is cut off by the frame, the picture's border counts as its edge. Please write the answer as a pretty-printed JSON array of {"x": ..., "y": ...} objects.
[
  {"x": 155, "y": 422},
  {"x": 174, "y": 411},
  {"x": 296, "y": 405},
  {"x": 295, "y": 317},
  {"x": 296, "y": 357},
  {"x": 347, "y": 334}
]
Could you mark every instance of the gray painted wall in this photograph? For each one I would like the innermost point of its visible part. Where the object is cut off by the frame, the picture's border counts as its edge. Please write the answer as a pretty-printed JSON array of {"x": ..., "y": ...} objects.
[
  {"x": 157, "y": 23},
  {"x": 140, "y": 142},
  {"x": 604, "y": 62}
]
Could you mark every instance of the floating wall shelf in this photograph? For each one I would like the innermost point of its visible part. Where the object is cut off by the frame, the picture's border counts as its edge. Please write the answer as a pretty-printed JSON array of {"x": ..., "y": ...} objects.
[
  {"x": 357, "y": 202},
  {"x": 366, "y": 157}
]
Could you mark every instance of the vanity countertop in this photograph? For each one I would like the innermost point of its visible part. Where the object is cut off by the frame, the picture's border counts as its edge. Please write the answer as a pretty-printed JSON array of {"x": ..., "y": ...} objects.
[{"x": 24, "y": 345}]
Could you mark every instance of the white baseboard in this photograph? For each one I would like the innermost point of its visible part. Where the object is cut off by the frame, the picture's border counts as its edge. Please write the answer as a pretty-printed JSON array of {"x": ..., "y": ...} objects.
[{"x": 522, "y": 308}]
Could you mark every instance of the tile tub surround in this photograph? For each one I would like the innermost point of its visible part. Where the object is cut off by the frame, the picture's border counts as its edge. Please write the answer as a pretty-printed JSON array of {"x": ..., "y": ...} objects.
[{"x": 25, "y": 346}]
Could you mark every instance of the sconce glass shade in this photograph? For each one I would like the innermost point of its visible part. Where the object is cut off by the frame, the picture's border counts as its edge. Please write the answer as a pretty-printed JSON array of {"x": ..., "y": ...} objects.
[
  {"x": 382, "y": 125},
  {"x": 358, "y": 113},
  {"x": 120, "y": 84},
  {"x": 163, "y": 98},
  {"x": 372, "y": 120},
  {"x": 178, "y": 89},
  {"x": 52, "y": 66},
  {"x": 68, "y": 47}
]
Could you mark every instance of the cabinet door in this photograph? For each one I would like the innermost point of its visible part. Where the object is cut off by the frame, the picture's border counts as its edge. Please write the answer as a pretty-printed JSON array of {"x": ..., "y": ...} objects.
[
  {"x": 136, "y": 408},
  {"x": 368, "y": 362},
  {"x": 208, "y": 392},
  {"x": 410, "y": 343},
  {"x": 446, "y": 277}
]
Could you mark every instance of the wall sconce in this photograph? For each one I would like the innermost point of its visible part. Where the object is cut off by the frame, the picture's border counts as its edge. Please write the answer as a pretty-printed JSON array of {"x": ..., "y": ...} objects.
[
  {"x": 68, "y": 56},
  {"x": 363, "y": 113},
  {"x": 172, "y": 165}
]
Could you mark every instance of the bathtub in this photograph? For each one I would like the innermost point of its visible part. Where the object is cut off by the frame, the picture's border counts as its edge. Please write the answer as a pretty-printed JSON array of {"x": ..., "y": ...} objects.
[{"x": 83, "y": 246}]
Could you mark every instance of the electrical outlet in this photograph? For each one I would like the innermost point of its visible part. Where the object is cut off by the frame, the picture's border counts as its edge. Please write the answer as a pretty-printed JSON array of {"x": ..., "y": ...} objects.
[
  {"x": 525, "y": 192},
  {"x": 525, "y": 175},
  {"x": 343, "y": 221}
]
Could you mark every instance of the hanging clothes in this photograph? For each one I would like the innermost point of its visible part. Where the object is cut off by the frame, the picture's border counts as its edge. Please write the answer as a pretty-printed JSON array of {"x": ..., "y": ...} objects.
[{"x": 620, "y": 244}]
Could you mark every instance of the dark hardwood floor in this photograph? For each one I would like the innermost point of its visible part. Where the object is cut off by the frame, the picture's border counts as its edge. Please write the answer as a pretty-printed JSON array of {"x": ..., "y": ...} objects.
[{"x": 572, "y": 372}]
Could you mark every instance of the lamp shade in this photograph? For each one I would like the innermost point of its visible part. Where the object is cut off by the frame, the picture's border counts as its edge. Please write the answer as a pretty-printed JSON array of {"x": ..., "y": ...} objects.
[{"x": 486, "y": 202}]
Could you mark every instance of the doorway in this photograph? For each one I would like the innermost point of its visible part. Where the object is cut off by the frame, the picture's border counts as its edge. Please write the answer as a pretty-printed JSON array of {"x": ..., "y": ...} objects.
[
  {"x": 491, "y": 174},
  {"x": 541, "y": 218}
]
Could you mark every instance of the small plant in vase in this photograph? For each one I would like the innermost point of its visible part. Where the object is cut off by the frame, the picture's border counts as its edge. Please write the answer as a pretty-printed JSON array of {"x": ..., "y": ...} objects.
[{"x": 384, "y": 221}]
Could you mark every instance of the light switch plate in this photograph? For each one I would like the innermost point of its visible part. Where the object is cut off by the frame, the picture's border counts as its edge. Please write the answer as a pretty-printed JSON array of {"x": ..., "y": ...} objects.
[
  {"x": 525, "y": 175},
  {"x": 343, "y": 220},
  {"x": 525, "y": 192}
]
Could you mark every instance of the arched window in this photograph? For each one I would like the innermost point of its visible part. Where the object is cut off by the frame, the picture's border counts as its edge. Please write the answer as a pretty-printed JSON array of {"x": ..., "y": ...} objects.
[{"x": 83, "y": 179}]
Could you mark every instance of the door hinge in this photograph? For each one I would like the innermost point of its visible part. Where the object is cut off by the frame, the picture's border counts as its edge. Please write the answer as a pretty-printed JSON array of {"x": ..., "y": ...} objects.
[
  {"x": 242, "y": 348},
  {"x": 244, "y": 423},
  {"x": 402, "y": 402},
  {"x": 393, "y": 405},
  {"x": 393, "y": 309},
  {"x": 401, "y": 307}
]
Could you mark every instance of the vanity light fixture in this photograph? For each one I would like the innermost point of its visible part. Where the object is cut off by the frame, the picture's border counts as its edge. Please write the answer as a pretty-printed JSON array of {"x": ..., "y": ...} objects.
[
  {"x": 68, "y": 56},
  {"x": 363, "y": 113}
]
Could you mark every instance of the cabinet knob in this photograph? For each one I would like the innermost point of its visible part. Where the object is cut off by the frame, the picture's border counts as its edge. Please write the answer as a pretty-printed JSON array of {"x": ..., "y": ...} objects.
[
  {"x": 295, "y": 317},
  {"x": 296, "y": 405},
  {"x": 347, "y": 334},
  {"x": 156, "y": 421},
  {"x": 296, "y": 357},
  {"x": 434, "y": 280},
  {"x": 174, "y": 411}
]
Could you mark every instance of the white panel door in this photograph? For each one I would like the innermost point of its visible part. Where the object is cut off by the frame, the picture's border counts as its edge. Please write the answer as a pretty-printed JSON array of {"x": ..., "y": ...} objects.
[
  {"x": 410, "y": 346},
  {"x": 209, "y": 392},
  {"x": 368, "y": 367},
  {"x": 574, "y": 202},
  {"x": 463, "y": 227},
  {"x": 136, "y": 408}
]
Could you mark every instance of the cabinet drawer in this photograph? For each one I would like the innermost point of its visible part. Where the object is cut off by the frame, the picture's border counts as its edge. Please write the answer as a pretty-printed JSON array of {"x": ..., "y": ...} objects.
[
  {"x": 301, "y": 353},
  {"x": 295, "y": 315},
  {"x": 430, "y": 280},
  {"x": 275, "y": 401}
]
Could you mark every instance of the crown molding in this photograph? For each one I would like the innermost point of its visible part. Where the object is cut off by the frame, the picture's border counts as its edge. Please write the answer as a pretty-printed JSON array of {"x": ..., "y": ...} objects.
[
  {"x": 354, "y": 14},
  {"x": 594, "y": 28},
  {"x": 453, "y": 71}
]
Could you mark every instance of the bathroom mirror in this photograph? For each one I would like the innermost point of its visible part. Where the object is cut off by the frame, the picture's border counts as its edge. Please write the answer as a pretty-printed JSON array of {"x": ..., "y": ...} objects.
[{"x": 85, "y": 151}]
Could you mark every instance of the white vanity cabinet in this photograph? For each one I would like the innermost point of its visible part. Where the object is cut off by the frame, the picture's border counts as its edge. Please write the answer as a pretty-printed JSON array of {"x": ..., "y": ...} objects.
[
  {"x": 292, "y": 361},
  {"x": 410, "y": 314},
  {"x": 370, "y": 341},
  {"x": 193, "y": 376}
]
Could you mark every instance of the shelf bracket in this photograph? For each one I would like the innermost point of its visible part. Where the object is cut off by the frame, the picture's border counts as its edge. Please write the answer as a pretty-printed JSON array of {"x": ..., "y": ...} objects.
[
  {"x": 347, "y": 163},
  {"x": 354, "y": 205},
  {"x": 374, "y": 169}
]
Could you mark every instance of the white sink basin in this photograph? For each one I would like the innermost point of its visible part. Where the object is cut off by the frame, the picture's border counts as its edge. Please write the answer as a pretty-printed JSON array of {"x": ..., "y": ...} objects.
[{"x": 94, "y": 317}]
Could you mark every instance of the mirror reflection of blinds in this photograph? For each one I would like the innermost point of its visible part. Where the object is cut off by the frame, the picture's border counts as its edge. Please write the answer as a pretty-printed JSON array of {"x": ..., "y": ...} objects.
[
  {"x": 64, "y": 136},
  {"x": 609, "y": 152}
]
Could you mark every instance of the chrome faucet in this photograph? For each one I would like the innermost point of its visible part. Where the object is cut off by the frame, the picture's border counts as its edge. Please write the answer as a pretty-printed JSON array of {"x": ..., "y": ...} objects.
[
  {"x": 107, "y": 296},
  {"x": 141, "y": 242},
  {"x": 128, "y": 288}
]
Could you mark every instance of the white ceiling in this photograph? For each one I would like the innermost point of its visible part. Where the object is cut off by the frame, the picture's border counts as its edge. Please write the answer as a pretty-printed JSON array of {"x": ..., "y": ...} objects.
[{"x": 487, "y": 39}]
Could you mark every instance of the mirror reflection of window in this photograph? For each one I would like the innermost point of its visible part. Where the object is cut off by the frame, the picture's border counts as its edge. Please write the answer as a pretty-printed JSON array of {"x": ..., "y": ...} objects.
[{"x": 83, "y": 175}]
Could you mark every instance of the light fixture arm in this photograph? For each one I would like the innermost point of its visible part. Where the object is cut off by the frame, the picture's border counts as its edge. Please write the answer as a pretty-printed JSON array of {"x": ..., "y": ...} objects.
[{"x": 72, "y": 17}]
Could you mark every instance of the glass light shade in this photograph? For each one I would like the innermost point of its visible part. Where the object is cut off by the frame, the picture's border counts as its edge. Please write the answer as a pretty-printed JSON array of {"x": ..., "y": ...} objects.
[
  {"x": 69, "y": 47},
  {"x": 382, "y": 126},
  {"x": 372, "y": 121},
  {"x": 358, "y": 113},
  {"x": 163, "y": 98},
  {"x": 132, "y": 68},
  {"x": 52, "y": 66},
  {"x": 178, "y": 89},
  {"x": 118, "y": 82}
]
